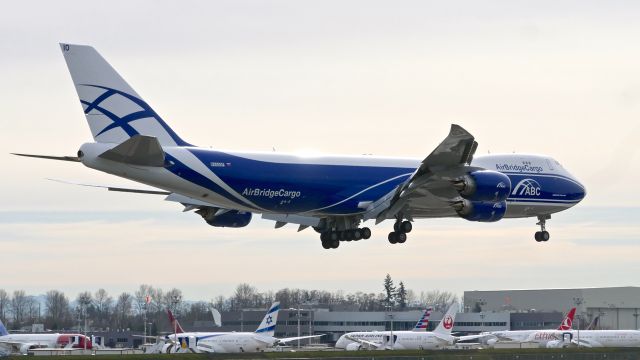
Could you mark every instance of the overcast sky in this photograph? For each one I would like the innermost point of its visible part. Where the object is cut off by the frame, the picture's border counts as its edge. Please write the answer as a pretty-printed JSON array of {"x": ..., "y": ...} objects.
[{"x": 558, "y": 77}]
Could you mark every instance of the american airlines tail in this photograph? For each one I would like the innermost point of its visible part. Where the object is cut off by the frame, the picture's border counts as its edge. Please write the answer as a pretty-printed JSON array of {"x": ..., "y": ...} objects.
[
  {"x": 567, "y": 323},
  {"x": 3, "y": 330},
  {"x": 446, "y": 324},
  {"x": 423, "y": 323},
  {"x": 268, "y": 325},
  {"x": 114, "y": 111},
  {"x": 175, "y": 325}
]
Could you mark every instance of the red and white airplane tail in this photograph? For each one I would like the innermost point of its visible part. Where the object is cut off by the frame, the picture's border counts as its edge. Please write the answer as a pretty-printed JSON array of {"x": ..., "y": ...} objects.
[
  {"x": 175, "y": 325},
  {"x": 567, "y": 323}
]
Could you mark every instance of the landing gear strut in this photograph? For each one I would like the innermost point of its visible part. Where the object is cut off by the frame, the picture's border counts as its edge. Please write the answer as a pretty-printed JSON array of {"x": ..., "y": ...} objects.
[
  {"x": 400, "y": 230},
  {"x": 331, "y": 239},
  {"x": 542, "y": 235}
]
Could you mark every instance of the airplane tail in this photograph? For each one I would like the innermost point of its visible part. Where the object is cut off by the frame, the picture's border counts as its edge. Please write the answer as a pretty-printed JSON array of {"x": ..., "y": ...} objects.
[
  {"x": 268, "y": 325},
  {"x": 567, "y": 323},
  {"x": 449, "y": 318},
  {"x": 114, "y": 111},
  {"x": 3, "y": 330},
  {"x": 175, "y": 325},
  {"x": 423, "y": 323},
  {"x": 594, "y": 323}
]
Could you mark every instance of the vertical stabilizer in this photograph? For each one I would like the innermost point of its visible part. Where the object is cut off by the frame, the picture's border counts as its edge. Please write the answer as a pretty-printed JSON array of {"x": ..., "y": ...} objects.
[
  {"x": 114, "y": 111},
  {"x": 567, "y": 323},
  {"x": 268, "y": 325},
  {"x": 423, "y": 323},
  {"x": 175, "y": 325},
  {"x": 446, "y": 324},
  {"x": 3, "y": 330}
]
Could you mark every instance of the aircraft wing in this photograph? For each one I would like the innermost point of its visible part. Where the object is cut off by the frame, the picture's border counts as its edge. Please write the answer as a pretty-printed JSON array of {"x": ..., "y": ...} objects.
[
  {"x": 368, "y": 344},
  {"x": 290, "y": 339},
  {"x": 429, "y": 191}
]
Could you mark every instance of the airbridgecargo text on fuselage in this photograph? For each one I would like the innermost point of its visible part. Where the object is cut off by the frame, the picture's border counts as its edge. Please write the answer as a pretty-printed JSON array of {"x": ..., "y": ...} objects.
[
  {"x": 269, "y": 193},
  {"x": 525, "y": 168}
]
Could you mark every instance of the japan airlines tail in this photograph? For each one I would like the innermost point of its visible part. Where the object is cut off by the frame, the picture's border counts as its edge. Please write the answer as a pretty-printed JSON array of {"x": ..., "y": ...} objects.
[{"x": 334, "y": 195}]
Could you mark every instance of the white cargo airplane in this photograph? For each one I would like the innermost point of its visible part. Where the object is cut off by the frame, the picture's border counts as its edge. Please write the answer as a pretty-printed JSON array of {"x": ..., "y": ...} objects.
[
  {"x": 229, "y": 342},
  {"x": 332, "y": 194},
  {"x": 416, "y": 339},
  {"x": 22, "y": 343}
]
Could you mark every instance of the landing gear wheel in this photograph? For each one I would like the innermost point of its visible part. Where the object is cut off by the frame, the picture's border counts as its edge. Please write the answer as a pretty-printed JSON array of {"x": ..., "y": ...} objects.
[
  {"x": 334, "y": 244},
  {"x": 393, "y": 237},
  {"x": 544, "y": 236},
  {"x": 333, "y": 236},
  {"x": 324, "y": 237},
  {"x": 537, "y": 236},
  {"x": 396, "y": 226},
  {"x": 401, "y": 238},
  {"x": 406, "y": 227},
  {"x": 357, "y": 234},
  {"x": 326, "y": 245},
  {"x": 366, "y": 233}
]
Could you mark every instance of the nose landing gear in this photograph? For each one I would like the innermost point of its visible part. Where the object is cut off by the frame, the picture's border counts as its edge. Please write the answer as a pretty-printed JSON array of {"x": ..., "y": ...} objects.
[{"x": 542, "y": 235}]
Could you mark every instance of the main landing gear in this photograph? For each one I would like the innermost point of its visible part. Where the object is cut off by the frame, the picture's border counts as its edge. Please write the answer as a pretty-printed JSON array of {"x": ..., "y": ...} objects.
[
  {"x": 331, "y": 239},
  {"x": 542, "y": 235},
  {"x": 400, "y": 231}
]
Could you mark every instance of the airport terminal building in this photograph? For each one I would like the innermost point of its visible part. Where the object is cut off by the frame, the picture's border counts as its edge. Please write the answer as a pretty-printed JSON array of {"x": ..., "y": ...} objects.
[{"x": 618, "y": 307}]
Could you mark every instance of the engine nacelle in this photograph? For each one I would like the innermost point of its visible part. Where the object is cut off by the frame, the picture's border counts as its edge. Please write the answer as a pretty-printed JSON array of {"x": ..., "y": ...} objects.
[
  {"x": 482, "y": 211},
  {"x": 554, "y": 344},
  {"x": 484, "y": 185},
  {"x": 354, "y": 346},
  {"x": 231, "y": 218},
  {"x": 492, "y": 342}
]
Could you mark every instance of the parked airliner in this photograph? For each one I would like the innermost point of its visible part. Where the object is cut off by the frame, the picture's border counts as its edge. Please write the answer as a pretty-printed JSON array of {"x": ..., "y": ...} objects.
[
  {"x": 22, "y": 343},
  {"x": 227, "y": 342},
  {"x": 332, "y": 194},
  {"x": 418, "y": 338},
  {"x": 524, "y": 336}
]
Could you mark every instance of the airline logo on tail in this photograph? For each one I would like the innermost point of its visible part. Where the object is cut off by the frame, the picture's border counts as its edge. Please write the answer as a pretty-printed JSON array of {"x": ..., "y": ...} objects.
[
  {"x": 567, "y": 323},
  {"x": 174, "y": 323},
  {"x": 423, "y": 323},
  {"x": 445, "y": 326},
  {"x": 447, "y": 322},
  {"x": 268, "y": 325},
  {"x": 3, "y": 330}
]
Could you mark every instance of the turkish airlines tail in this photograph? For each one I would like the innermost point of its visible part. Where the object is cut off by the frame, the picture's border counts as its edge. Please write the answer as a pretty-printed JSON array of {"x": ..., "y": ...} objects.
[{"x": 567, "y": 323}]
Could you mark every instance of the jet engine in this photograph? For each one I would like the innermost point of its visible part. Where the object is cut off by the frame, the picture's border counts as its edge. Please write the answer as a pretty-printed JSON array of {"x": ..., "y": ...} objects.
[
  {"x": 484, "y": 185},
  {"x": 222, "y": 218},
  {"x": 555, "y": 344},
  {"x": 354, "y": 346},
  {"x": 482, "y": 211}
]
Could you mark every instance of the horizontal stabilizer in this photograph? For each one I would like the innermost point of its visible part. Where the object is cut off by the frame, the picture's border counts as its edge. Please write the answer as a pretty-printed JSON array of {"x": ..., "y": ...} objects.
[
  {"x": 63, "y": 158},
  {"x": 119, "y": 189},
  {"x": 138, "y": 150}
]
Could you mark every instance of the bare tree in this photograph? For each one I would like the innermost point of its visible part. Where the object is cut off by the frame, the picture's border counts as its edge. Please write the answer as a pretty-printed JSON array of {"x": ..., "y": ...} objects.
[
  {"x": 56, "y": 310},
  {"x": 5, "y": 303},
  {"x": 19, "y": 305},
  {"x": 123, "y": 309},
  {"x": 103, "y": 305},
  {"x": 440, "y": 300},
  {"x": 243, "y": 296}
]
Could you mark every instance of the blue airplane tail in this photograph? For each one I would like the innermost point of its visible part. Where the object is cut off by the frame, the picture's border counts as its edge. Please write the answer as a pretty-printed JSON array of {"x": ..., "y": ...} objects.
[
  {"x": 268, "y": 325},
  {"x": 3, "y": 330},
  {"x": 114, "y": 111}
]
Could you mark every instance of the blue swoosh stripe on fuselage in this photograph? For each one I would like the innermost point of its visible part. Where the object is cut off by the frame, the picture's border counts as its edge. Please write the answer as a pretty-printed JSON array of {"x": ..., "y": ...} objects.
[
  {"x": 322, "y": 187},
  {"x": 183, "y": 171}
]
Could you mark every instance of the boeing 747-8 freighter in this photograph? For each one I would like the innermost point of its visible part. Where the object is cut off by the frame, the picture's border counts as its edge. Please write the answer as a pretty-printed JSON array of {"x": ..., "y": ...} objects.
[{"x": 332, "y": 194}]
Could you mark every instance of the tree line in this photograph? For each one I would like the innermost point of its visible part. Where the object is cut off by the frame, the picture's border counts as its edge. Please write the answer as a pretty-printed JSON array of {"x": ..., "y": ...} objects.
[{"x": 100, "y": 310}]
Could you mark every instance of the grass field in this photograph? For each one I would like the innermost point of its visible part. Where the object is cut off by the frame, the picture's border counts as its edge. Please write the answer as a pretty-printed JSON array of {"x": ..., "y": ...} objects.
[{"x": 485, "y": 354}]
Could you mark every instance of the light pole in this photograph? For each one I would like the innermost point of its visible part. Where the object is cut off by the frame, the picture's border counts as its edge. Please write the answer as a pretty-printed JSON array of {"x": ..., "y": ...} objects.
[
  {"x": 635, "y": 315},
  {"x": 175, "y": 299},
  {"x": 389, "y": 308},
  {"x": 578, "y": 301},
  {"x": 482, "y": 315}
]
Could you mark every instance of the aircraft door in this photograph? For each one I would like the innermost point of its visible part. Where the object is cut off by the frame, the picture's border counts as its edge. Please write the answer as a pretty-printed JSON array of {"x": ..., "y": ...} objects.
[{"x": 566, "y": 338}]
